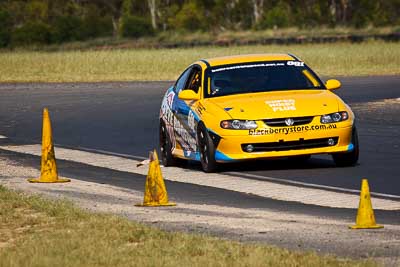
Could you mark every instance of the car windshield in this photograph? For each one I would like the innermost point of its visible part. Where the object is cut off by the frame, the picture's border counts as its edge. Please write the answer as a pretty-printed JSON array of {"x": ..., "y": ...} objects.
[{"x": 260, "y": 77}]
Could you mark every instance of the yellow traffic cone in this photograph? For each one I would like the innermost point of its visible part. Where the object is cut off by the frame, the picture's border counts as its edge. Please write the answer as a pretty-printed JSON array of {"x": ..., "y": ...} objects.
[
  {"x": 48, "y": 173},
  {"x": 365, "y": 215},
  {"x": 155, "y": 192}
]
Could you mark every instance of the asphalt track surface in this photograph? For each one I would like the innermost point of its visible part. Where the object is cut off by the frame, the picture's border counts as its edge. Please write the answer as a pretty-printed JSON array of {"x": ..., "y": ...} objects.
[{"x": 123, "y": 118}]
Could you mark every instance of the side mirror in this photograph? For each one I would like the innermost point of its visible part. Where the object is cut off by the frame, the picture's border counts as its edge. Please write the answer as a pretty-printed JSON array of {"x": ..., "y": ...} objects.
[
  {"x": 332, "y": 84},
  {"x": 188, "y": 94}
]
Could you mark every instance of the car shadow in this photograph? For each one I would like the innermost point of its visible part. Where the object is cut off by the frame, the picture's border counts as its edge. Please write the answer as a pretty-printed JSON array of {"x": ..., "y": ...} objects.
[
  {"x": 277, "y": 164},
  {"x": 265, "y": 165}
]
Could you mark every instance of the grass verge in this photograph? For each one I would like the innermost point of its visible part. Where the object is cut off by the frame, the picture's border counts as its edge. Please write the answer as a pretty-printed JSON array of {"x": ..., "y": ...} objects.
[
  {"x": 39, "y": 232},
  {"x": 339, "y": 59}
]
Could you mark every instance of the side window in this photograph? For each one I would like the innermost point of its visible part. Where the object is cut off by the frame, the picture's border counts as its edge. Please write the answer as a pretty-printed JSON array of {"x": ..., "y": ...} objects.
[
  {"x": 194, "y": 80},
  {"x": 181, "y": 82}
]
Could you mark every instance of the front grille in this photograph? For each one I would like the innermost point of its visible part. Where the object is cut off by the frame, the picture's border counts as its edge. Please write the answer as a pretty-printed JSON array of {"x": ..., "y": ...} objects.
[
  {"x": 281, "y": 121},
  {"x": 290, "y": 145}
]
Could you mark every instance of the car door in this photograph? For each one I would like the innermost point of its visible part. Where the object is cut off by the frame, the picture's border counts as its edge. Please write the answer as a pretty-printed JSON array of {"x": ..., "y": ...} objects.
[{"x": 185, "y": 124}]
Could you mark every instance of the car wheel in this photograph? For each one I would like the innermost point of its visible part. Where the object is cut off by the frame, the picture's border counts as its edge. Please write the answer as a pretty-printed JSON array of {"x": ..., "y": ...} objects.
[
  {"x": 348, "y": 158},
  {"x": 207, "y": 150},
  {"x": 166, "y": 147}
]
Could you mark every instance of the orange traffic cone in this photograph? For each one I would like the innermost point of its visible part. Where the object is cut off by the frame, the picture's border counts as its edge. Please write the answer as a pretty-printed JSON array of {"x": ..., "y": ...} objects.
[
  {"x": 155, "y": 192},
  {"x": 48, "y": 173},
  {"x": 365, "y": 215}
]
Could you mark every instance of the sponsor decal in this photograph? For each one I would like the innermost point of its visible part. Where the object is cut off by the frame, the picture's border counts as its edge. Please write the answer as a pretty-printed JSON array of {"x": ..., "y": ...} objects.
[
  {"x": 171, "y": 135},
  {"x": 170, "y": 98},
  {"x": 168, "y": 115},
  {"x": 188, "y": 142},
  {"x": 191, "y": 155},
  {"x": 248, "y": 66},
  {"x": 281, "y": 105},
  {"x": 191, "y": 121},
  {"x": 295, "y": 63},
  {"x": 178, "y": 133},
  {"x": 293, "y": 129},
  {"x": 258, "y": 65},
  {"x": 166, "y": 105}
]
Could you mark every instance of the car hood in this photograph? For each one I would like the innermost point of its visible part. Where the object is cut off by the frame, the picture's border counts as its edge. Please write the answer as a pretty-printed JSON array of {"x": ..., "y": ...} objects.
[{"x": 280, "y": 104}]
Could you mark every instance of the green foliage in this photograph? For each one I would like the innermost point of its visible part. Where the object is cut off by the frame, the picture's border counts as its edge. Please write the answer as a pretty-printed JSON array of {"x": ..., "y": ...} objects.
[
  {"x": 6, "y": 27},
  {"x": 94, "y": 25},
  {"x": 67, "y": 28},
  {"x": 126, "y": 7},
  {"x": 386, "y": 13},
  {"x": 234, "y": 16},
  {"x": 363, "y": 12},
  {"x": 312, "y": 13},
  {"x": 167, "y": 14},
  {"x": 190, "y": 17},
  {"x": 32, "y": 33},
  {"x": 135, "y": 27},
  {"x": 276, "y": 17},
  {"x": 241, "y": 14},
  {"x": 74, "y": 28},
  {"x": 36, "y": 10},
  {"x": 71, "y": 20}
]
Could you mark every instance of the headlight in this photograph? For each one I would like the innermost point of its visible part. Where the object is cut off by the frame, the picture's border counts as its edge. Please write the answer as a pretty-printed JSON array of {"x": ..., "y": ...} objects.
[
  {"x": 238, "y": 124},
  {"x": 334, "y": 117}
]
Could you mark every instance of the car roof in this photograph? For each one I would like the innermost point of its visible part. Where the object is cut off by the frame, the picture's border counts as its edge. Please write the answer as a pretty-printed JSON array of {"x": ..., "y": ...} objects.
[{"x": 217, "y": 61}]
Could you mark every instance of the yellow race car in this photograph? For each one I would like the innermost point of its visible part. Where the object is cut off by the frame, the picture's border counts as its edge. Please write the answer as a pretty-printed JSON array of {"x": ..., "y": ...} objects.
[{"x": 258, "y": 106}]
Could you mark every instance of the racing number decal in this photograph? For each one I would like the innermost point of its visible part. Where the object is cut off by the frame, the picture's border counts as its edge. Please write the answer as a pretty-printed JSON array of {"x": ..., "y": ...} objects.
[{"x": 295, "y": 63}]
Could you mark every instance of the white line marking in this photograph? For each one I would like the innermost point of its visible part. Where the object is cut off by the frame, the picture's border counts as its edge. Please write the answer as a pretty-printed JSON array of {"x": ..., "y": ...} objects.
[
  {"x": 346, "y": 190},
  {"x": 3, "y": 137},
  {"x": 265, "y": 188}
]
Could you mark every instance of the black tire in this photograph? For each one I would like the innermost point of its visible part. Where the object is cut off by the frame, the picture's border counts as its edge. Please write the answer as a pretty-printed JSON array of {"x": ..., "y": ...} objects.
[
  {"x": 167, "y": 158},
  {"x": 349, "y": 158},
  {"x": 207, "y": 150}
]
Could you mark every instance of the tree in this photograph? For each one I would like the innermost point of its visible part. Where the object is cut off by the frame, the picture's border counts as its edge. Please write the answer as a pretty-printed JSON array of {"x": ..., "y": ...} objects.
[
  {"x": 66, "y": 20},
  {"x": 190, "y": 17},
  {"x": 153, "y": 12},
  {"x": 340, "y": 11},
  {"x": 258, "y": 8},
  {"x": 135, "y": 27},
  {"x": 6, "y": 27},
  {"x": 115, "y": 9},
  {"x": 233, "y": 15}
]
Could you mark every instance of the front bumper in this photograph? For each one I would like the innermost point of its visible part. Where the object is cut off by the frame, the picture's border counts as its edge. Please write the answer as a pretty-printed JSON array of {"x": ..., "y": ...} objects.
[{"x": 231, "y": 148}]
